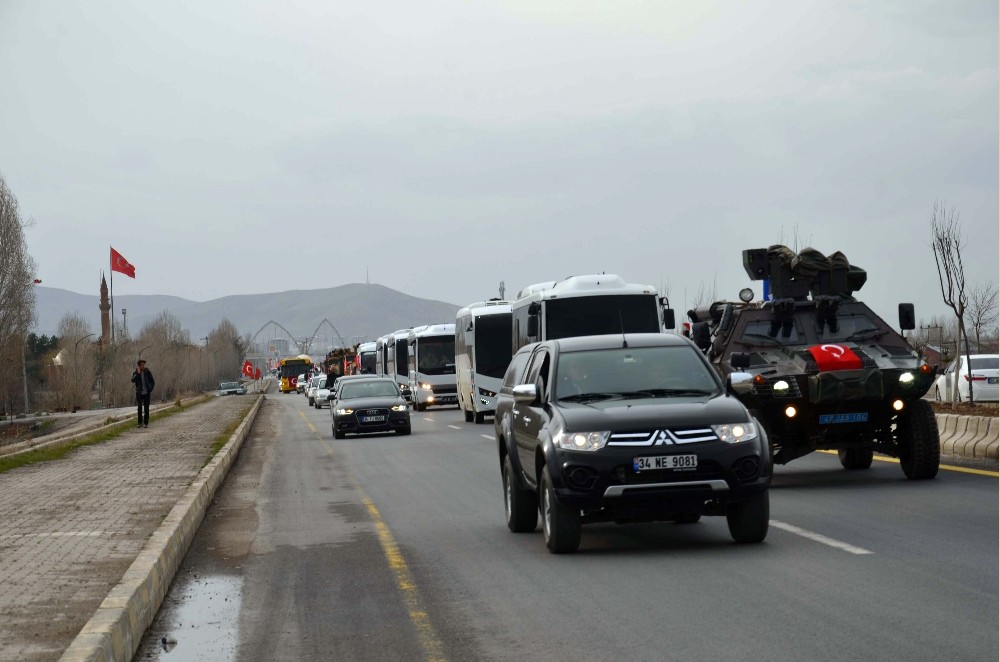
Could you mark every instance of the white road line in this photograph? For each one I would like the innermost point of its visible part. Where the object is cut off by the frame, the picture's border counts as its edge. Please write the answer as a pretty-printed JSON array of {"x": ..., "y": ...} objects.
[
  {"x": 454, "y": 427},
  {"x": 429, "y": 419},
  {"x": 486, "y": 436},
  {"x": 850, "y": 549}
]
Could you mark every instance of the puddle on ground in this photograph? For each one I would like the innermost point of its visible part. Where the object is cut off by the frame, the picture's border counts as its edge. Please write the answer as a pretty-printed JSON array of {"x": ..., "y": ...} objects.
[{"x": 201, "y": 623}]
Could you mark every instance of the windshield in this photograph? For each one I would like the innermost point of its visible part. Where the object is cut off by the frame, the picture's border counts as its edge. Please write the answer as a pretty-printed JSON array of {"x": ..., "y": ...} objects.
[
  {"x": 226, "y": 385},
  {"x": 493, "y": 345},
  {"x": 368, "y": 362},
  {"x": 601, "y": 315},
  {"x": 766, "y": 332},
  {"x": 634, "y": 372},
  {"x": 368, "y": 389},
  {"x": 293, "y": 369},
  {"x": 851, "y": 328},
  {"x": 436, "y": 355}
]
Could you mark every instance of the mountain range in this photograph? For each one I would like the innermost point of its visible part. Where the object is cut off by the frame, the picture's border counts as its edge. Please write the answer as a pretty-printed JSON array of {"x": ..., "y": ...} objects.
[{"x": 357, "y": 311}]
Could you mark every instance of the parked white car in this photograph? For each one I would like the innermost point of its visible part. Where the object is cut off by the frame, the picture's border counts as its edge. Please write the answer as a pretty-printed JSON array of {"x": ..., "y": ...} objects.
[
  {"x": 985, "y": 387},
  {"x": 301, "y": 383}
]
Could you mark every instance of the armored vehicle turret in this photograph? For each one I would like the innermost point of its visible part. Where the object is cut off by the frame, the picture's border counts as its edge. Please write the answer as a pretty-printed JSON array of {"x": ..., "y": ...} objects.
[{"x": 828, "y": 373}]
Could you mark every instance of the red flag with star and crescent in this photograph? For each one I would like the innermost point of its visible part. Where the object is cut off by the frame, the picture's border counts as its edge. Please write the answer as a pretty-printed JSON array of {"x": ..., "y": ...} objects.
[
  {"x": 121, "y": 265},
  {"x": 835, "y": 357},
  {"x": 248, "y": 369}
]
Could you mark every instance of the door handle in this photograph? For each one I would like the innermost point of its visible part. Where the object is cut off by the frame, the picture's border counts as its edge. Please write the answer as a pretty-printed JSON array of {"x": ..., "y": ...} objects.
[{"x": 526, "y": 419}]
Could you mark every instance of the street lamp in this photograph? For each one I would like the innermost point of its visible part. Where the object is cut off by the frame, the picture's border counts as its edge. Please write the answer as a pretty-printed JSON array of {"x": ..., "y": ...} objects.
[{"x": 143, "y": 350}]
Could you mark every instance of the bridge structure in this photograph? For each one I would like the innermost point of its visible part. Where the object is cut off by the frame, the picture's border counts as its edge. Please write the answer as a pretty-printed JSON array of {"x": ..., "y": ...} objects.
[{"x": 273, "y": 342}]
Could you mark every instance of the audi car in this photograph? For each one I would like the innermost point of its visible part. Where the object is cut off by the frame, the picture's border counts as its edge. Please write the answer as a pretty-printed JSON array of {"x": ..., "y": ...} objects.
[{"x": 364, "y": 406}]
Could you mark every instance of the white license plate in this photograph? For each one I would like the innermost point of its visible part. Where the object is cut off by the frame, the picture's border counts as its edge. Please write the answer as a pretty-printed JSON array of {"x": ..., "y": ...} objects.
[
  {"x": 992, "y": 380},
  {"x": 373, "y": 419},
  {"x": 665, "y": 462}
]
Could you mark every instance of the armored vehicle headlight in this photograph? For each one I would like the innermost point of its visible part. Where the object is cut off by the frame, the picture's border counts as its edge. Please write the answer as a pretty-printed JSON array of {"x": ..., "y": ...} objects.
[
  {"x": 780, "y": 386},
  {"x": 581, "y": 441},
  {"x": 906, "y": 378},
  {"x": 736, "y": 432},
  {"x": 898, "y": 405}
]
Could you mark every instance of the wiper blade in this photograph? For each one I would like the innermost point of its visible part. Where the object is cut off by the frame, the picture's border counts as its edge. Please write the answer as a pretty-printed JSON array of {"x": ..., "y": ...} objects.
[
  {"x": 665, "y": 392},
  {"x": 864, "y": 334},
  {"x": 588, "y": 397}
]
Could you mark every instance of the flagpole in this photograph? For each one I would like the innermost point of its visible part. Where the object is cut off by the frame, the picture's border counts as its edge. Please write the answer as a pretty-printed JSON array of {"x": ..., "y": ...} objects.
[{"x": 112, "y": 297}]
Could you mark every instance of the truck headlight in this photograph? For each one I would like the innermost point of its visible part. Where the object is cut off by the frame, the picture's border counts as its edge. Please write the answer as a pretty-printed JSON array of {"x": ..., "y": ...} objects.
[
  {"x": 736, "y": 432},
  {"x": 906, "y": 379},
  {"x": 580, "y": 441},
  {"x": 426, "y": 387}
]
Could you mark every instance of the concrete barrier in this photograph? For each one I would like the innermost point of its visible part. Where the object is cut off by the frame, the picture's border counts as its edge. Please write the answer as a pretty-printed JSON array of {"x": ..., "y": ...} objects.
[{"x": 976, "y": 437}]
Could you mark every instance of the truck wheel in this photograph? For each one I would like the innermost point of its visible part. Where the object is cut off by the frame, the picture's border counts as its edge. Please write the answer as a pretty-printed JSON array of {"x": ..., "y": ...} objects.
[
  {"x": 468, "y": 415},
  {"x": 561, "y": 525},
  {"x": 748, "y": 519},
  {"x": 480, "y": 417},
  {"x": 918, "y": 441},
  {"x": 520, "y": 505},
  {"x": 855, "y": 458},
  {"x": 419, "y": 406}
]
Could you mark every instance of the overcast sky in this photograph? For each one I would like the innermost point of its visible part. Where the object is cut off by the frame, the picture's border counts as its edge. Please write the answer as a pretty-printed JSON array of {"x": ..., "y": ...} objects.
[{"x": 441, "y": 146}]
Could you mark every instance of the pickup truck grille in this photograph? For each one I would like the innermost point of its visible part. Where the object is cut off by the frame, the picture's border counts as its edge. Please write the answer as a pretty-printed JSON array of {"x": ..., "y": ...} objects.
[{"x": 665, "y": 437}]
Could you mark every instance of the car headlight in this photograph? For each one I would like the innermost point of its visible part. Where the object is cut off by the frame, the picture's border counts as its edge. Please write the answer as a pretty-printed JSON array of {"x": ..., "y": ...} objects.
[
  {"x": 426, "y": 387},
  {"x": 581, "y": 441},
  {"x": 735, "y": 432},
  {"x": 399, "y": 407},
  {"x": 344, "y": 411}
]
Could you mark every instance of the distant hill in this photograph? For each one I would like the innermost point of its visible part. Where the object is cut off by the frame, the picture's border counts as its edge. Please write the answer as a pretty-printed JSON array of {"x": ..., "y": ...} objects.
[{"x": 355, "y": 310}]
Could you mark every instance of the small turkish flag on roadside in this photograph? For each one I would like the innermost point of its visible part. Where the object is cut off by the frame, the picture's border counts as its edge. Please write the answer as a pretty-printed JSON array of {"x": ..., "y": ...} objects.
[
  {"x": 248, "y": 369},
  {"x": 256, "y": 375},
  {"x": 121, "y": 265}
]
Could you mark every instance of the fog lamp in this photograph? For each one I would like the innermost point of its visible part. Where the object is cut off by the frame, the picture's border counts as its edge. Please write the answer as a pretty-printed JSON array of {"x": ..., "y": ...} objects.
[{"x": 791, "y": 411}]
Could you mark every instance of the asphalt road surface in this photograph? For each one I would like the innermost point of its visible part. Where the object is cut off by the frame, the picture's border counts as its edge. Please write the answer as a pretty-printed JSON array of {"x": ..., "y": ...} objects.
[{"x": 395, "y": 548}]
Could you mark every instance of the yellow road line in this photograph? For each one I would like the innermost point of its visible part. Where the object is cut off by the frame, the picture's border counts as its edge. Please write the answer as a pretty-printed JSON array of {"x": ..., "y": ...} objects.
[
  {"x": 944, "y": 467},
  {"x": 311, "y": 427}
]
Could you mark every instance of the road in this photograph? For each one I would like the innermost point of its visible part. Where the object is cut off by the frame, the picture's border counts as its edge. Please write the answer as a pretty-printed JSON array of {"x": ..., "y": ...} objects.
[{"x": 395, "y": 548}]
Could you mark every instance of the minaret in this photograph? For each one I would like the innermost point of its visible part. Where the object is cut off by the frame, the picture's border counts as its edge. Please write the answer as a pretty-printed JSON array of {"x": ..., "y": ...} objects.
[{"x": 105, "y": 314}]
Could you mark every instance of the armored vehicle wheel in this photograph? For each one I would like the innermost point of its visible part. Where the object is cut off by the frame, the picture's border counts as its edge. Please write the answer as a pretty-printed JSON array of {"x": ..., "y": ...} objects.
[
  {"x": 480, "y": 417},
  {"x": 520, "y": 506},
  {"x": 918, "y": 441},
  {"x": 561, "y": 525},
  {"x": 855, "y": 458},
  {"x": 468, "y": 415},
  {"x": 748, "y": 520}
]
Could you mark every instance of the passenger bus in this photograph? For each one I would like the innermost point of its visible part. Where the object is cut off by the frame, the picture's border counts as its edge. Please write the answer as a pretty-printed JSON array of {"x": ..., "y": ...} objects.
[
  {"x": 482, "y": 354},
  {"x": 366, "y": 358},
  {"x": 382, "y": 356},
  {"x": 587, "y": 306},
  {"x": 430, "y": 358},
  {"x": 395, "y": 360},
  {"x": 290, "y": 368}
]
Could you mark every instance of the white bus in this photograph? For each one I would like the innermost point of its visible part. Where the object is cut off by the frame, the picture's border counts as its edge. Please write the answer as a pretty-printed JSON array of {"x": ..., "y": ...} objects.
[
  {"x": 431, "y": 361},
  {"x": 587, "y": 306},
  {"x": 482, "y": 354},
  {"x": 367, "y": 358},
  {"x": 396, "y": 360}
]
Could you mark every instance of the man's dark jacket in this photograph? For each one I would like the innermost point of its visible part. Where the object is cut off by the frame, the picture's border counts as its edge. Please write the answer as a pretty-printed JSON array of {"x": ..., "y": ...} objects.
[{"x": 148, "y": 376}]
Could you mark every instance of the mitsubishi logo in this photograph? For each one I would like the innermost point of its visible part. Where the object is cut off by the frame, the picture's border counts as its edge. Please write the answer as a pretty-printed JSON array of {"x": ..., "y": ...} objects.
[{"x": 662, "y": 438}]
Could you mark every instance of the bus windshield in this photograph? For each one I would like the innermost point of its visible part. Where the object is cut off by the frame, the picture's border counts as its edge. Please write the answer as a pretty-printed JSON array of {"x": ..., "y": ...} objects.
[
  {"x": 601, "y": 315},
  {"x": 493, "y": 345},
  {"x": 436, "y": 355}
]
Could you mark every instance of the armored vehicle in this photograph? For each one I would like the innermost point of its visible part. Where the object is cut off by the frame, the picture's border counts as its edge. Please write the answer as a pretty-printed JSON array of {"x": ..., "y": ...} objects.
[{"x": 828, "y": 373}]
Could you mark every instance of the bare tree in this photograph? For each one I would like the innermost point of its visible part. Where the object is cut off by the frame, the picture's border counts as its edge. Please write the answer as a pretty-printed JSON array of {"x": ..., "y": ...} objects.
[
  {"x": 947, "y": 243},
  {"x": 17, "y": 296},
  {"x": 982, "y": 310}
]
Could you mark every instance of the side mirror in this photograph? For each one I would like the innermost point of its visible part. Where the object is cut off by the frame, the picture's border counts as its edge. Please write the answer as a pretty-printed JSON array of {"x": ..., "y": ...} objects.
[
  {"x": 907, "y": 320},
  {"x": 669, "y": 321},
  {"x": 739, "y": 383},
  {"x": 532, "y": 326},
  {"x": 525, "y": 393},
  {"x": 739, "y": 360}
]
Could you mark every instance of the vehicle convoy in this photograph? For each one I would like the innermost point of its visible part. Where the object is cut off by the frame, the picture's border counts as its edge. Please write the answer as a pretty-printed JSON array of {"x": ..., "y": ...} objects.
[
  {"x": 627, "y": 428},
  {"x": 289, "y": 369},
  {"x": 828, "y": 373},
  {"x": 482, "y": 354},
  {"x": 373, "y": 404},
  {"x": 366, "y": 358},
  {"x": 394, "y": 363},
  {"x": 430, "y": 356},
  {"x": 587, "y": 305}
]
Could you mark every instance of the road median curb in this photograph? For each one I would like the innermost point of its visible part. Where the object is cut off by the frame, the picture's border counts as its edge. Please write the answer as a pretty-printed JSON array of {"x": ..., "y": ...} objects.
[{"x": 115, "y": 630}]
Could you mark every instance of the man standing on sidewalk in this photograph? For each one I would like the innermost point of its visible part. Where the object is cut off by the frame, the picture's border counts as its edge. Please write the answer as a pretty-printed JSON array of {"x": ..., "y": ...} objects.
[{"x": 144, "y": 382}]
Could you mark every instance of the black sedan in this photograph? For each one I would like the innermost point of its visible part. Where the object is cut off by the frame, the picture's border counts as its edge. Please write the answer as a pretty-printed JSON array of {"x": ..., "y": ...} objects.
[{"x": 369, "y": 405}]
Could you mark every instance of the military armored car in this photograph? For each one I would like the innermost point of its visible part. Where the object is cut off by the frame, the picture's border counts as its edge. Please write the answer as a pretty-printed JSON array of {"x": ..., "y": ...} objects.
[{"x": 828, "y": 373}]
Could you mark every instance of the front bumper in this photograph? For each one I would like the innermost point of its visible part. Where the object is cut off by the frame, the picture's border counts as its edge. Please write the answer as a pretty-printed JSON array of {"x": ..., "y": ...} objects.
[{"x": 349, "y": 423}]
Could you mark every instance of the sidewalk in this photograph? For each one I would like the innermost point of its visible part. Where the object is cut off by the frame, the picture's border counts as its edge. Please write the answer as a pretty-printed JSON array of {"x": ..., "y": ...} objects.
[{"x": 71, "y": 529}]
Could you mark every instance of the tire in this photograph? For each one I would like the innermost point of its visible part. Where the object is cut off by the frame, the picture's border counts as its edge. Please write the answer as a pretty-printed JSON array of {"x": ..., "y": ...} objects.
[
  {"x": 311, "y": 403},
  {"x": 480, "y": 418},
  {"x": 560, "y": 525},
  {"x": 403, "y": 431},
  {"x": 854, "y": 459},
  {"x": 520, "y": 505},
  {"x": 748, "y": 520},
  {"x": 919, "y": 442},
  {"x": 468, "y": 415},
  {"x": 419, "y": 406}
]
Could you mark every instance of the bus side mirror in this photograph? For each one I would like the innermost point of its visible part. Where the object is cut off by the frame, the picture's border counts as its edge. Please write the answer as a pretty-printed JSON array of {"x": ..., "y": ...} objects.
[
  {"x": 907, "y": 320},
  {"x": 668, "y": 318},
  {"x": 532, "y": 326}
]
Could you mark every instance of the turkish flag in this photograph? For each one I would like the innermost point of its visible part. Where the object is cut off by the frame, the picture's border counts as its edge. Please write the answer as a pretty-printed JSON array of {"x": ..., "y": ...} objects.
[
  {"x": 256, "y": 375},
  {"x": 248, "y": 369},
  {"x": 121, "y": 265},
  {"x": 835, "y": 357}
]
